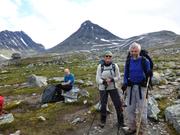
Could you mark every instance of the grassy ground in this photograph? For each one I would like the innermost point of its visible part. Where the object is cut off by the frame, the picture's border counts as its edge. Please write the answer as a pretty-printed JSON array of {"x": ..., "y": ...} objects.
[{"x": 27, "y": 112}]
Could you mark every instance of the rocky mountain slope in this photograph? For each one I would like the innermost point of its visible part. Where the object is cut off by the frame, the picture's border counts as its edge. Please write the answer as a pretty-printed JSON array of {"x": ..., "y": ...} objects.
[
  {"x": 88, "y": 35},
  {"x": 91, "y": 36},
  {"x": 18, "y": 41}
]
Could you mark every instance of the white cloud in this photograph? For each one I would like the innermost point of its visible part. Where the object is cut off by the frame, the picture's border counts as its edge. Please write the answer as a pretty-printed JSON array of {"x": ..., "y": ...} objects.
[{"x": 50, "y": 22}]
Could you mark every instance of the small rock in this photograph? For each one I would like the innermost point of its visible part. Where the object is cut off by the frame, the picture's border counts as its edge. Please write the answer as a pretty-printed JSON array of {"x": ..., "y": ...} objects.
[
  {"x": 79, "y": 81},
  {"x": 177, "y": 80},
  {"x": 162, "y": 87},
  {"x": 34, "y": 94},
  {"x": 84, "y": 93},
  {"x": 174, "y": 83},
  {"x": 85, "y": 101},
  {"x": 75, "y": 121},
  {"x": 42, "y": 118},
  {"x": 18, "y": 132},
  {"x": 177, "y": 101},
  {"x": 44, "y": 105}
]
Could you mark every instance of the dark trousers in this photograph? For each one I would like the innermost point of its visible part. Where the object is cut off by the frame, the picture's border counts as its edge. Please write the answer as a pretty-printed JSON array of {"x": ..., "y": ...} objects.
[
  {"x": 116, "y": 101},
  {"x": 66, "y": 87},
  {"x": 60, "y": 88}
]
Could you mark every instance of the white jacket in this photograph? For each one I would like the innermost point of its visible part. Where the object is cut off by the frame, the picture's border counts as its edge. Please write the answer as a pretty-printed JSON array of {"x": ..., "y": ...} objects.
[{"x": 108, "y": 72}]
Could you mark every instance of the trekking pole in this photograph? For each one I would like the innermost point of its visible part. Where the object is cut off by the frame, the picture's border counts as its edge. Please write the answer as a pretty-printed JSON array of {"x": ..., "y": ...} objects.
[
  {"x": 95, "y": 113},
  {"x": 140, "y": 115}
]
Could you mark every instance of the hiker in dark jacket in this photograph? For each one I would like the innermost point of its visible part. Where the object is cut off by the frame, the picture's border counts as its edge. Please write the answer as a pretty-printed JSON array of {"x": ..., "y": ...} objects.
[
  {"x": 68, "y": 82},
  {"x": 107, "y": 76},
  {"x": 135, "y": 83}
]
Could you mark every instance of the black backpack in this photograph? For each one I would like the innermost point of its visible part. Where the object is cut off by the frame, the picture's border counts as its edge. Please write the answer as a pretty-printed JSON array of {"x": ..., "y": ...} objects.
[
  {"x": 144, "y": 54},
  {"x": 51, "y": 94}
]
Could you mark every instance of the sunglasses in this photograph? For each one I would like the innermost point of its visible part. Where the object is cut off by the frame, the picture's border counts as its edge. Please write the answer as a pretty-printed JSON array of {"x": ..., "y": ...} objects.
[
  {"x": 108, "y": 56},
  {"x": 133, "y": 51}
]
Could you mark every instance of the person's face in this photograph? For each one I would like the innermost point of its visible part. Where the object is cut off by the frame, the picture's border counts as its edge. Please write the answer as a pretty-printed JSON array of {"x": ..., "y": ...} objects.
[
  {"x": 107, "y": 59},
  {"x": 66, "y": 72},
  {"x": 135, "y": 52}
]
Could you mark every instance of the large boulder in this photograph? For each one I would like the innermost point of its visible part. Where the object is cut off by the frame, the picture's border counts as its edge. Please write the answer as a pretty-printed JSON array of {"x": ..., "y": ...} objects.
[
  {"x": 153, "y": 109},
  {"x": 172, "y": 115},
  {"x": 156, "y": 78},
  {"x": 38, "y": 81},
  {"x": 6, "y": 118}
]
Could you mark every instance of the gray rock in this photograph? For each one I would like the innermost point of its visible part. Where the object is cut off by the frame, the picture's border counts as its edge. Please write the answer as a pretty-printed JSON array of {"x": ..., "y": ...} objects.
[
  {"x": 177, "y": 101},
  {"x": 70, "y": 96},
  {"x": 41, "y": 118},
  {"x": 79, "y": 81},
  {"x": 89, "y": 83},
  {"x": 84, "y": 93},
  {"x": 162, "y": 87},
  {"x": 38, "y": 81},
  {"x": 6, "y": 118},
  {"x": 156, "y": 78},
  {"x": 177, "y": 80},
  {"x": 30, "y": 66},
  {"x": 178, "y": 73},
  {"x": 58, "y": 79},
  {"x": 18, "y": 132},
  {"x": 172, "y": 115},
  {"x": 158, "y": 96},
  {"x": 75, "y": 121},
  {"x": 153, "y": 109},
  {"x": 174, "y": 83},
  {"x": 98, "y": 107}
]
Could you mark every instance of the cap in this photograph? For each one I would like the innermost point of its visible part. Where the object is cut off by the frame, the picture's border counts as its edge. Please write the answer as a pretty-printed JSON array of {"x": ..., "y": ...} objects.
[{"x": 109, "y": 53}]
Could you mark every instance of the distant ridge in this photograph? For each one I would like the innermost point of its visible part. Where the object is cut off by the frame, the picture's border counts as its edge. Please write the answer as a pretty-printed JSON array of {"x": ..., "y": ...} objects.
[
  {"x": 91, "y": 36},
  {"x": 18, "y": 41}
]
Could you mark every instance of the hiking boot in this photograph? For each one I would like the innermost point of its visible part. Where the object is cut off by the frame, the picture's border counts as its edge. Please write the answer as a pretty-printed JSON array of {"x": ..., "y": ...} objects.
[
  {"x": 141, "y": 133},
  {"x": 120, "y": 125},
  {"x": 101, "y": 125},
  {"x": 130, "y": 131}
]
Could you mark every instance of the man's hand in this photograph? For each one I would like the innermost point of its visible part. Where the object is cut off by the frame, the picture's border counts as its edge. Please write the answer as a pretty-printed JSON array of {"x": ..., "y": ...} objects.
[
  {"x": 124, "y": 87},
  {"x": 64, "y": 83},
  {"x": 149, "y": 73}
]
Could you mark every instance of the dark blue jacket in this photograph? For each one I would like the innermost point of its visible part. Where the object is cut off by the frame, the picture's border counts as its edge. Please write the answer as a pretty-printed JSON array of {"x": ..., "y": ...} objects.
[
  {"x": 136, "y": 73},
  {"x": 69, "y": 77}
]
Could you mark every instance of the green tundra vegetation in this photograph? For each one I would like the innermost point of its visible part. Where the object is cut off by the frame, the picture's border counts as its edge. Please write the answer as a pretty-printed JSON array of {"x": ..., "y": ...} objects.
[{"x": 27, "y": 112}]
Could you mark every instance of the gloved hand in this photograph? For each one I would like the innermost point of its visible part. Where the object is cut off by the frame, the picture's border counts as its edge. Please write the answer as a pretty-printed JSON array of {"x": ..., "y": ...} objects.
[
  {"x": 112, "y": 79},
  {"x": 149, "y": 73},
  {"x": 124, "y": 87},
  {"x": 105, "y": 83}
]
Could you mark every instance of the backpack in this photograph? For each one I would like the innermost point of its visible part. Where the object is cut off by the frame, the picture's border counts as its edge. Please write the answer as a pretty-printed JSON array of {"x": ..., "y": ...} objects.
[
  {"x": 1, "y": 103},
  {"x": 144, "y": 54},
  {"x": 50, "y": 94},
  {"x": 102, "y": 66}
]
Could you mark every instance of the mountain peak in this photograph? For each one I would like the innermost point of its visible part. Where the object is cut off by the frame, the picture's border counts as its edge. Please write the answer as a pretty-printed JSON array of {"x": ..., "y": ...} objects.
[
  {"x": 18, "y": 41},
  {"x": 85, "y": 37},
  {"x": 87, "y": 22}
]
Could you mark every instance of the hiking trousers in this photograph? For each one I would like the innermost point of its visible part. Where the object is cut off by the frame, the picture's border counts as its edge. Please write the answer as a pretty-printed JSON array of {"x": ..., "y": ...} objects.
[
  {"x": 116, "y": 101},
  {"x": 136, "y": 104}
]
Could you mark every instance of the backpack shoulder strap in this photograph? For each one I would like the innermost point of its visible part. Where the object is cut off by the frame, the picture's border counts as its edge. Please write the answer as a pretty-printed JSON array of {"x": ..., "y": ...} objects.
[
  {"x": 127, "y": 66},
  {"x": 102, "y": 68},
  {"x": 114, "y": 67},
  {"x": 143, "y": 62}
]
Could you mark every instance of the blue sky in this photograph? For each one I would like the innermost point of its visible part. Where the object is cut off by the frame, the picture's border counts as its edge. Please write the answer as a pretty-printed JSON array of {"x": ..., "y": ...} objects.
[{"x": 51, "y": 21}]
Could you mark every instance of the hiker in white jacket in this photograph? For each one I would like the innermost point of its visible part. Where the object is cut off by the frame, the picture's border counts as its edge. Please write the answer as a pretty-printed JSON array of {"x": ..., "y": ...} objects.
[{"x": 107, "y": 76}]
